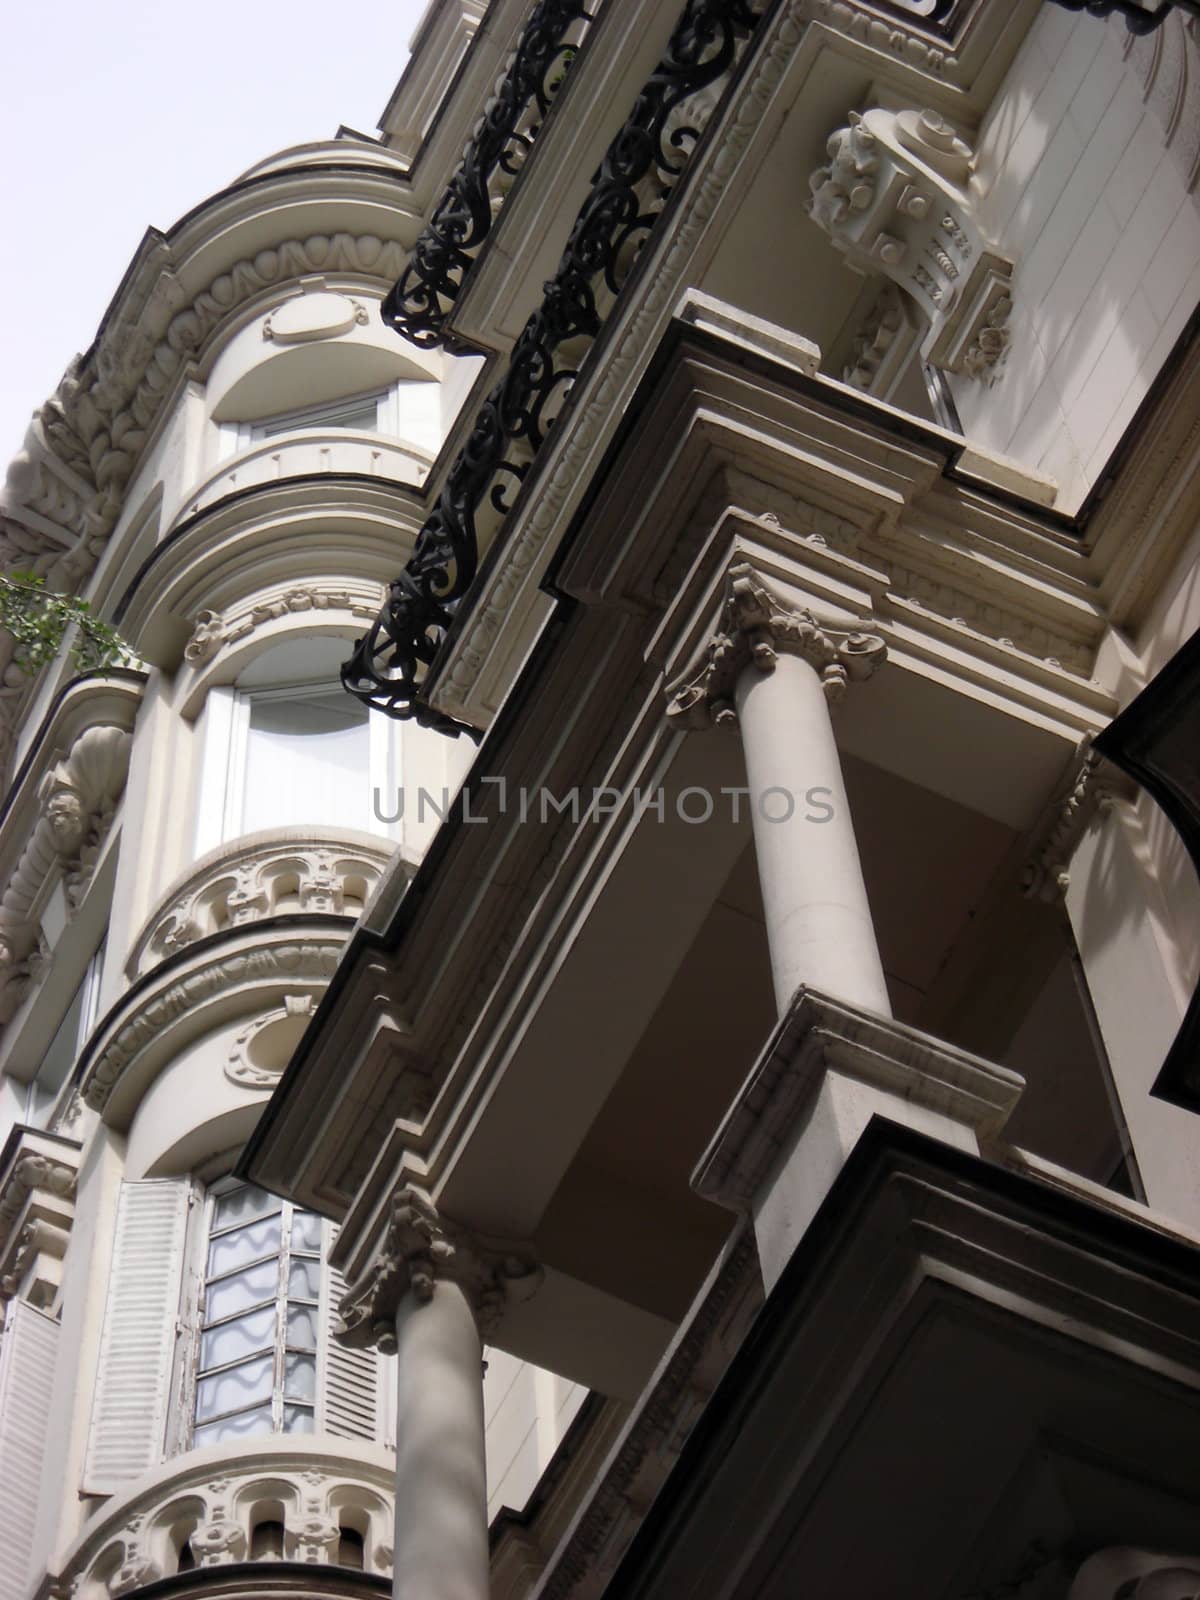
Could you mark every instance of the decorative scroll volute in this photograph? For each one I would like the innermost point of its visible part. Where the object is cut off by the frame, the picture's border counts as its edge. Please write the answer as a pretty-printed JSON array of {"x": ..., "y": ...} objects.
[
  {"x": 754, "y": 629},
  {"x": 420, "y": 1249}
]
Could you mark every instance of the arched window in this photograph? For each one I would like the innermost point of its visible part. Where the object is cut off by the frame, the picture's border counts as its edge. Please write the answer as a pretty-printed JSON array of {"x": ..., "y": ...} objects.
[
  {"x": 256, "y": 1367},
  {"x": 286, "y": 746}
]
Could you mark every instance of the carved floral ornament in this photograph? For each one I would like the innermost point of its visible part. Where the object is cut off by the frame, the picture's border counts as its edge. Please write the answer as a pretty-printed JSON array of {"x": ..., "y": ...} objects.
[
  {"x": 754, "y": 629},
  {"x": 76, "y": 800},
  {"x": 259, "y": 876},
  {"x": 420, "y": 1249},
  {"x": 893, "y": 197},
  {"x": 214, "y": 631},
  {"x": 85, "y": 444},
  {"x": 215, "y": 1516}
]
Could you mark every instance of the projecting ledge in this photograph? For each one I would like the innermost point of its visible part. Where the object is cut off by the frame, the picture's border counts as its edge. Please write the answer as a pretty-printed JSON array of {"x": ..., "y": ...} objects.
[{"x": 827, "y": 1069}]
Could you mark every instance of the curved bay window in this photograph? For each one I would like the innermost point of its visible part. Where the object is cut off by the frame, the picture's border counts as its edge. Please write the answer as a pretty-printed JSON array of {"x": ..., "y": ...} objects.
[{"x": 256, "y": 1369}]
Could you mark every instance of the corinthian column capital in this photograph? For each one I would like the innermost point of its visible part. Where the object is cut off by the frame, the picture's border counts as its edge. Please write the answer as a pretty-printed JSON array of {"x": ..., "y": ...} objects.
[
  {"x": 754, "y": 630},
  {"x": 419, "y": 1249}
]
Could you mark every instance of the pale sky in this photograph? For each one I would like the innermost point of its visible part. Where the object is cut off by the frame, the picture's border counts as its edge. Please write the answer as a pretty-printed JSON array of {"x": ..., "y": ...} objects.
[{"x": 121, "y": 115}]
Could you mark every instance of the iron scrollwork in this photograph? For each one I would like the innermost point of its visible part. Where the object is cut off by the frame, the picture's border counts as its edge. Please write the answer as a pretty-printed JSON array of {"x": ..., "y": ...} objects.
[
  {"x": 1139, "y": 18},
  {"x": 425, "y": 293},
  {"x": 640, "y": 170}
]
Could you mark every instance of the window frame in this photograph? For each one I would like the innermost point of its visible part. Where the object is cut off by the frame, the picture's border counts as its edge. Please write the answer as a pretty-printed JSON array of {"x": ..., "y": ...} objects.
[
  {"x": 279, "y": 1301},
  {"x": 319, "y": 418},
  {"x": 221, "y": 800}
]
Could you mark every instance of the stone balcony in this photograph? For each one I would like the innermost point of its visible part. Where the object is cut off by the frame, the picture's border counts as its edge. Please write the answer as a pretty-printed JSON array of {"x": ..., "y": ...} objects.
[
  {"x": 262, "y": 875},
  {"x": 324, "y": 1504}
]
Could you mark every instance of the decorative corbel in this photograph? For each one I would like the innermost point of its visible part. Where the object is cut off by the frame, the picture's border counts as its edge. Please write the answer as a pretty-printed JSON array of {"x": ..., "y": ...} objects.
[
  {"x": 419, "y": 1250},
  {"x": 1095, "y": 787},
  {"x": 894, "y": 198},
  {"x": 754, "y": 630}
]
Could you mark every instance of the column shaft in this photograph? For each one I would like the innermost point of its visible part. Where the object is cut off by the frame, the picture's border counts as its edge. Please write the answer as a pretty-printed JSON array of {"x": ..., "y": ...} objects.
[
  {"x": 441, "y": 1550},
  {"x": 819, "y": 926}
]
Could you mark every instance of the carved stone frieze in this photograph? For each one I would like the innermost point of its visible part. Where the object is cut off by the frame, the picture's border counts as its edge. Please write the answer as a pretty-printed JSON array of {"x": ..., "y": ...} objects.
[
  {"x": 893, "y": 197},
  {"x": 139, "y": 1540},
  {"x": 262, "y": 875},
  {"x": 754, "y": 629},
  {"x": 864, "y": 23},
  {"x": 419, "y": 1249},
  {"x": 87, "y": 441},
  {"x": 213, "y": 632},
  {"x": 152, "y": 1009}
]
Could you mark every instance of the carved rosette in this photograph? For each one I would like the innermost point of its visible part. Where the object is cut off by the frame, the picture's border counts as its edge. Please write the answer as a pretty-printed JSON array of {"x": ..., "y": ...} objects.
[
  {"x": 420, "y": 1249},
  {"x": 754, "y": 630}
]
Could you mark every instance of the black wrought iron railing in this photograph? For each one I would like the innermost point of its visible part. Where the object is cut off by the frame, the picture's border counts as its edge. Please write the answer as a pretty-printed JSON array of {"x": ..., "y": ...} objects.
[
  {"x": 425, "y": 294},
  {"x": 640, "y": 171},
  {"x": 1141, "y": 16}
]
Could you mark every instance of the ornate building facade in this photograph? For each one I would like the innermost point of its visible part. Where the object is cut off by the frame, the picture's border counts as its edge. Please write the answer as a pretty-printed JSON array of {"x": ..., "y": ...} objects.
[{"x": 604, "y": 1003}]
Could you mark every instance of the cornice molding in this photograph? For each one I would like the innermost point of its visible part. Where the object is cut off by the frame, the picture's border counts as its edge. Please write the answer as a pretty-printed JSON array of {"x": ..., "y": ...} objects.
[
  {"x": 419, "y": 1249},
  {"x": 753, "y": 630},
  {"x": 65, "y": 489},
  {"x": 236, "y": 974}
]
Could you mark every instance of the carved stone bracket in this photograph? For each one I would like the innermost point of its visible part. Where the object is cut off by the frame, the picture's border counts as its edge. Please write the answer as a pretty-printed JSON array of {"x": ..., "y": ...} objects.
[
  {"x": 420, "y": 1249},
  {"x": 893, "y": 197},
  {"x": 754, "y": 629},
  {"x": 37, "y": 1208},
  {"x": 76, "y": 800},
  {"x": 1095, "y": 786}
]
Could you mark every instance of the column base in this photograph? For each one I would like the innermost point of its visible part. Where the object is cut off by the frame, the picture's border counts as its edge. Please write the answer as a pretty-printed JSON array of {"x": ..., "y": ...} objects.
[{"x": 827, "y": 1069}]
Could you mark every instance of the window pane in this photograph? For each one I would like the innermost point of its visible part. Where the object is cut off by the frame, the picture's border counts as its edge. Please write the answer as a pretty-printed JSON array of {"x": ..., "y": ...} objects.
[
  {"x": 307, "y": 760},
  {"x": 241, "y": 1291},
  {"x": 239, "y": 1387},
  {"x": 256, "y": 1239},
  {"x": 298, "y": 1419},
  {"x": 239, "y": 1205},
  {"x": 246, "y": 1425},
  {"x": 300, "y": 1377},
  {"x": 233, "y": 1340},
  {"x": 302, "y": 1281},
  {"x": 302, "y": 1327},
  {"x": 306, "y": 1231}
]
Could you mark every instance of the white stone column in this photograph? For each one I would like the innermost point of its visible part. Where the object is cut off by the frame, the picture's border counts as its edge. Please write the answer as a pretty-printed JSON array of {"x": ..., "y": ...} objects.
[
  {"x": 441, "y": 1548},
  {"x": 774, "y": 671},
  {"x": 428, "y": 1294}
]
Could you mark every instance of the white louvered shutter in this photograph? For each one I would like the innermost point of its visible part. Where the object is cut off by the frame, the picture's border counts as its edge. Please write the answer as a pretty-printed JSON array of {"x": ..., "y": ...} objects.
[
  {"x": 351, "y": 1387},
  {"x": 27, "y": 1352},
  {"x": 137, "y": 1345}
]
